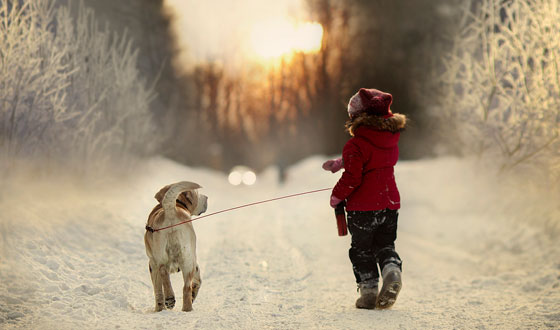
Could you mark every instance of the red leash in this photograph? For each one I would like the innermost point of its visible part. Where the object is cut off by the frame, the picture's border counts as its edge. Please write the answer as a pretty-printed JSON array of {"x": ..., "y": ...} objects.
[{"x": 150, "y": 229}]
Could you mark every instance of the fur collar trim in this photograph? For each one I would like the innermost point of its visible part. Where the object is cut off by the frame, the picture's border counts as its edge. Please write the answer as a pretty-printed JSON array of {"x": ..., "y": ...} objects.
[{"x": 395, "y": 123}]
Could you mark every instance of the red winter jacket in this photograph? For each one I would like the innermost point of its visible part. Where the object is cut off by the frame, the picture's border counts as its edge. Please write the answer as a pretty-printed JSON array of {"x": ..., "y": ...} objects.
[{"x": 368, "y": 181}]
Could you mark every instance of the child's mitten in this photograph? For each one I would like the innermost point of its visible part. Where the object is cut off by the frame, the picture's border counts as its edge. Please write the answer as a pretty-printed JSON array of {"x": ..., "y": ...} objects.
[
  {"x": 335, "y": 201},
  {"x": 333, "y": 165}
]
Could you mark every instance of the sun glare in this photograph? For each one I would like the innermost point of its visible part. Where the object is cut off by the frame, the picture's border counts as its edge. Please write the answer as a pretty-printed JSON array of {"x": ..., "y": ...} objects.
[{"x": 279, "y": 38}]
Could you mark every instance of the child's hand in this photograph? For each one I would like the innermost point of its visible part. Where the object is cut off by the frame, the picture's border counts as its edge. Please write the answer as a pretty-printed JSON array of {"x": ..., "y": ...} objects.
[
  {"x": 335, "y": 201},
  {"x": 333, "y": 165}
]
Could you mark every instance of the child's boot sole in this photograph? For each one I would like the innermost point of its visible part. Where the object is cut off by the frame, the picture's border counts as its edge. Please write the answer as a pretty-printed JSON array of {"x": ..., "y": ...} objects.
[{"x": 391, "y": 287}]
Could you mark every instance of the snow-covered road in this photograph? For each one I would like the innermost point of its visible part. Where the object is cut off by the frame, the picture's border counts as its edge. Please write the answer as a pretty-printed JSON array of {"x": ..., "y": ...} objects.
[{"x": 72, "y": 256}]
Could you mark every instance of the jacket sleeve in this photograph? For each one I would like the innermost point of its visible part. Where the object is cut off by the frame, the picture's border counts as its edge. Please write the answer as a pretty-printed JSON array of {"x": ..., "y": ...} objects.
[{"x": 353, "y": 167}]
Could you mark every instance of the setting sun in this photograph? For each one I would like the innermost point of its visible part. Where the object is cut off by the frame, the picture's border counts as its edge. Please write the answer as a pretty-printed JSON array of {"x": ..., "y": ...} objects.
[{"x": 281, "y": 37}]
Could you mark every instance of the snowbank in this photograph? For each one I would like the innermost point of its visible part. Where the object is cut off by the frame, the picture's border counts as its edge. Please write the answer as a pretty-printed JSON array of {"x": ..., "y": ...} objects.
[{"x": 72, "y": 255}]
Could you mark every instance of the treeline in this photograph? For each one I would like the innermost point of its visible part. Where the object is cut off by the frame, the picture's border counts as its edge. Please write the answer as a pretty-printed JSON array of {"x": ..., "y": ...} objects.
[
  {"x": 260, "y": 116},
  {"x": 211, "y": 117}
]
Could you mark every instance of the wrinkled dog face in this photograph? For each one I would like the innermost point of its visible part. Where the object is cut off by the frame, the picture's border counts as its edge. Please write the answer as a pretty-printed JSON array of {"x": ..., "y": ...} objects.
[{"x": 196, "y": 203}]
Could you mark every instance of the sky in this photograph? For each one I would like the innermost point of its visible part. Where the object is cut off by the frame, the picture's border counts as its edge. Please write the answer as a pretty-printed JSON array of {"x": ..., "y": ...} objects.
[{"x": 220, "y": 30}]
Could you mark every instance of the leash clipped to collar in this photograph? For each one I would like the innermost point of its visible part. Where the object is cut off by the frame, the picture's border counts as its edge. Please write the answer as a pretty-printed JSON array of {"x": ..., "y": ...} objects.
[{"x": 152, "y": 230}]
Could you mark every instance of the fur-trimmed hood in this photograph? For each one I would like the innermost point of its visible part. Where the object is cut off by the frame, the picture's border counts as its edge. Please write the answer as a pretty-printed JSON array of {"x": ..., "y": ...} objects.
[{"x": 395, "y": 123}]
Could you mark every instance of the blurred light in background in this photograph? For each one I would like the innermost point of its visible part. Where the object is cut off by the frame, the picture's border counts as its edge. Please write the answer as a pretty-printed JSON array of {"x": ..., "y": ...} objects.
[
  {"x": 235, "y": 178},
  {"x": 281, "y": 37},
  {"x": 247, "y": 31},
  {"x": 242, "y": 175},
  {"x": 249, "y": 178}
]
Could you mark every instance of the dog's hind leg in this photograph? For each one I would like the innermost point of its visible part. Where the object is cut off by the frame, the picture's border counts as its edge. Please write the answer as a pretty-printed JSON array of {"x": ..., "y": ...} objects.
[
  {"x": 196, "y": 283},
  {"x": 167, "y": 289},
  {"x": 157, "y": 283},
  {"x": 187, "y": 290}
]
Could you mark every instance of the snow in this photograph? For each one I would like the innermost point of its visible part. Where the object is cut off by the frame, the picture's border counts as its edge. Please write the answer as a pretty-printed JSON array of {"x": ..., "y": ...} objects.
[{"x": 72, "y": 255}]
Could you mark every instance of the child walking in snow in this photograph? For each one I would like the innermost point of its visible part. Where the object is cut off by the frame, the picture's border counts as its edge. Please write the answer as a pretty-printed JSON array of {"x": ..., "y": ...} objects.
[{"x": 372, "y": 199}]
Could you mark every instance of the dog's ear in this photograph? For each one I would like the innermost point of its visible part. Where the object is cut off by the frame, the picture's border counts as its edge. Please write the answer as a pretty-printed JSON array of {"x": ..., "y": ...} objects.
[
  {"x": 161, "y": 193},
  {"x": 192, "y": 195}
]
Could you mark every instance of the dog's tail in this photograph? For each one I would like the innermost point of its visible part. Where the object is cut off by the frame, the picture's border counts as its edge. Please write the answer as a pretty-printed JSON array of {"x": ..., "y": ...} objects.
[{"x": 170, "y": 198}]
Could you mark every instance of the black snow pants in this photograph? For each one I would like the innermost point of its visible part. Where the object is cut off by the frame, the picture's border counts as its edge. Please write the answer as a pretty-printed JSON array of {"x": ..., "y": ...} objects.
[{"x": 373, "y": 242}]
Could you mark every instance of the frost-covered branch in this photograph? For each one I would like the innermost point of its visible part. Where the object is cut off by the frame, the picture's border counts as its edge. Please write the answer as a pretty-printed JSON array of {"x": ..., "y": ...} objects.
[
  {"x": 500, "y": 82},
  {"x": 68, "y": 88}
]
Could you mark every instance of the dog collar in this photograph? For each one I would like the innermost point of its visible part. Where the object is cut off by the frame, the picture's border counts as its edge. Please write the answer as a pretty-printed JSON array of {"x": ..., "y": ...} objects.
[{"x": 151, "y": 230}]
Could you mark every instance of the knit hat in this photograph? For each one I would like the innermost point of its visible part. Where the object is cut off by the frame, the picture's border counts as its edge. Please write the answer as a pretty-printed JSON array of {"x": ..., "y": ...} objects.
[{"x": 370, "y": 101}]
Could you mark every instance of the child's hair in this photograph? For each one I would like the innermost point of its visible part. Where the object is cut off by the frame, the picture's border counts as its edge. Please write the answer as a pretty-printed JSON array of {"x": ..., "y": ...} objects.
[{"x": 395, "y": 123}]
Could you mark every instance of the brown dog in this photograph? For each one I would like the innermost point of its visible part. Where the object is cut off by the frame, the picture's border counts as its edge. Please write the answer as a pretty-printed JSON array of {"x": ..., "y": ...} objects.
[{"x": 174, "y": 249}]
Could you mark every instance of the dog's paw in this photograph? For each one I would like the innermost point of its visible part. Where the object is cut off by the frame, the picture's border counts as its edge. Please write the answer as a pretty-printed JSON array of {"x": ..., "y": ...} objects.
[
  {"x": 170, "y": 302},
  {"x": 159, "y": 307},
  {"x": 187, "y": 308}
]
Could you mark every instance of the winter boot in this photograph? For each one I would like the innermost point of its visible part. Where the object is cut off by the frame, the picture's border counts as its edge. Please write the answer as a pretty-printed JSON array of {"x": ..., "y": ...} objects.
[
  {"x": 368, "y": 297},
  {"x": 391, "y": 286}
]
